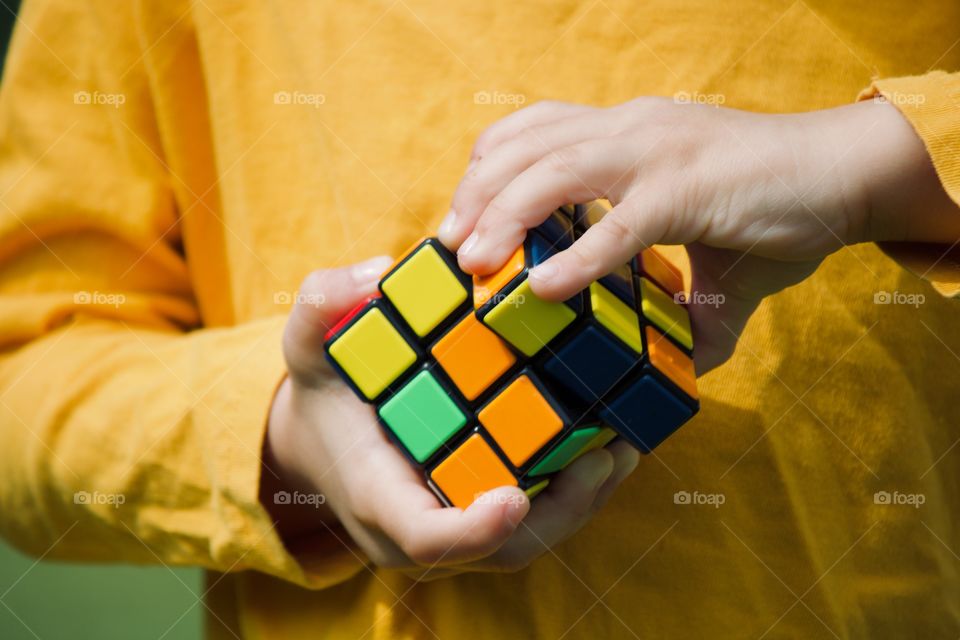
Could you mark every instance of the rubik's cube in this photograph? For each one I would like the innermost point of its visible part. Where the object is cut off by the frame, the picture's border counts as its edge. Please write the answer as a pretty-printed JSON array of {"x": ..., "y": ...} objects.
[{"x": 482, "y": 384}]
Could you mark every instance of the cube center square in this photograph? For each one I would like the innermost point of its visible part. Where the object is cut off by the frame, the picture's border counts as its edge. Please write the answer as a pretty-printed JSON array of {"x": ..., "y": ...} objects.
[
  {"x": 520, "y": 419},
  {"x": 472, "y": 356},
  {"x": 660, "y": 309},
  {"x": 422, "y": 416},
  {"x": 372, "y": 353},
  {"x": 424, "y": 289},
  {"x": 472, "y": 469},
  {"x": 526, "y": 321}
]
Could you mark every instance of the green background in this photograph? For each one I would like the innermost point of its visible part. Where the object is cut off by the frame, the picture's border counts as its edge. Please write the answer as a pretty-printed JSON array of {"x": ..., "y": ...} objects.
[{"x": 51, "y": 600}]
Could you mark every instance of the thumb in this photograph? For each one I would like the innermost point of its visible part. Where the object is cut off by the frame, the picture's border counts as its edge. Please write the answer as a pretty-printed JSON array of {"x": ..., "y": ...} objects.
[{"x": 325, "y": 296}]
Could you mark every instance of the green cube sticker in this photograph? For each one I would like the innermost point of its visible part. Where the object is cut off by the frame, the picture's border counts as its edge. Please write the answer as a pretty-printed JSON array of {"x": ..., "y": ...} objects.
[
  {"x": 422, "y": 416},
  {"x": 565, "y": 452}
]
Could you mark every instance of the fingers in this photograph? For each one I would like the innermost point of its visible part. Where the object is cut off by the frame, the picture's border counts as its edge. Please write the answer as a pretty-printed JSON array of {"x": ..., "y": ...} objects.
[
  {"x": 327, "y": 295},
  {"x": 433, "y": 536},
  {"x": 643, "y": 220},
  {"x": 625, "y": 461},
  {"x": 509, "y": 159},
  {"x": 557, "y": 513},
  {"x": 536, "y": 114},
  {"x": 572, "y": 174}
]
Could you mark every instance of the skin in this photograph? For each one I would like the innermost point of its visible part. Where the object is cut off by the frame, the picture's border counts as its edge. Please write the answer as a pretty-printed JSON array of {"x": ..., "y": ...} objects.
[{"x": 759, "y": 200}]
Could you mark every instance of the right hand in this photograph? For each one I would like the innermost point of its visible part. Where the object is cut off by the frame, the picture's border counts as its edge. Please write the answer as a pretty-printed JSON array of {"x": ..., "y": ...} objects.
[{"x": 322, "y": 439}]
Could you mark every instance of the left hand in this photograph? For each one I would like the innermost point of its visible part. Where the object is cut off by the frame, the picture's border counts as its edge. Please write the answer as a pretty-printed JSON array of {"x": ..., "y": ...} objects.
[{"x": 759, "y": 199}]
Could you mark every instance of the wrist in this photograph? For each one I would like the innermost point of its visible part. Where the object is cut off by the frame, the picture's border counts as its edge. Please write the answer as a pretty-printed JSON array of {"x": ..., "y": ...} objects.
[
  {"x": 284, "y": 477},
  {"x": 898, "y": 191}
]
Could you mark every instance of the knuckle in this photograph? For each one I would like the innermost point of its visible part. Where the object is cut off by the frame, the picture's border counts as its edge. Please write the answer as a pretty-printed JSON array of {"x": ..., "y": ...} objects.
[
  {"x": 582, "y": 257},
  {"x": 562, "y": 160},
  {"x": 616, "y": 227},
  {"x": 531, "y": 138}
]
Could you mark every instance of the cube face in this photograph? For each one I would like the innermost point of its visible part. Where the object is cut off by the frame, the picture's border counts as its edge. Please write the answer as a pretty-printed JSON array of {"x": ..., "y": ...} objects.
[
  {"x": 470, "y": 470},
  {"x": 512, "y": 389},
  {"x": 424, "y": 288},
  {"x": 371, "y": 351},
  {"x": 422, "y": 416},
  {"x": 472, "y": 356},
  {"x": 521, "y": 419}
]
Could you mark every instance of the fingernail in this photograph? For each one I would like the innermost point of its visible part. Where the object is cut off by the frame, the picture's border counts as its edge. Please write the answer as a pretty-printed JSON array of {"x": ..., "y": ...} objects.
[
  {"x": 370, "y": 270},
  {"x": 545, "y": 272},
  {"x": 446, "y": 227},
  {"x": 468, "y": 245}
]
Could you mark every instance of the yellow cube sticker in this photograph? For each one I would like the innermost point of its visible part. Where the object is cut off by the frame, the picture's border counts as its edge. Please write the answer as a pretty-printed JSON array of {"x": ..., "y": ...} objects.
[
  {"x": 424, "y": 290},
  {"x": 661, "y": 310},
  {"x": 526, "y": 321},
  {"x": 372, "y": 353},
  {"x": 616, "y": 316}
]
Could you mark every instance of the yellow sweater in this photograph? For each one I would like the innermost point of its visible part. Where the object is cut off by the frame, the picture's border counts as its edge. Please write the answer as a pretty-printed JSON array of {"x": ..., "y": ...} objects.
[{"x": 169, "y": 171}]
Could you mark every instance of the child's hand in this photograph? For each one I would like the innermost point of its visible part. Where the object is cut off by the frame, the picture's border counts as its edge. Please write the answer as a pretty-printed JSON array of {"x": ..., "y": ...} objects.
[
  {"x": 759, "y": 199},
  {"x": 323, "y": 439}
]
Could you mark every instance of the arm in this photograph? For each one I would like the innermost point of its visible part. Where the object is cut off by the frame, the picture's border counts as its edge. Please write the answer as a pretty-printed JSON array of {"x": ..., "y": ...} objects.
[
  {"x": 131, "y": 429},
  {"x": 127, "y": 433}
]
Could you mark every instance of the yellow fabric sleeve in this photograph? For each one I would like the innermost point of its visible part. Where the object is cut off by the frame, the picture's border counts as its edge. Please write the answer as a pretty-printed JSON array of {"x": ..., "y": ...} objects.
[
  {"x": 128, "y": 432},
  {"x": 931, "y": 103}
]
